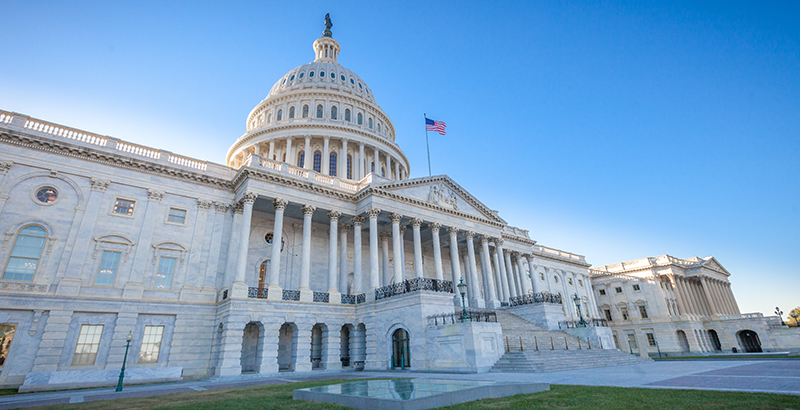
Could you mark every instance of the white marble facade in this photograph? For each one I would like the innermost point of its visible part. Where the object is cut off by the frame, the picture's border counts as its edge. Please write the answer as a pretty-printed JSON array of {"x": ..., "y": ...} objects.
[{"x": 108, "y": 236}]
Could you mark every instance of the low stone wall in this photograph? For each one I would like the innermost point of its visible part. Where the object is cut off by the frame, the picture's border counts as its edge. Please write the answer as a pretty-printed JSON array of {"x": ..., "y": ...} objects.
[
  {"x": 545, "y": 315},
  {"x": 76, "y": 379},
  {"x": 469, "y": 347}
]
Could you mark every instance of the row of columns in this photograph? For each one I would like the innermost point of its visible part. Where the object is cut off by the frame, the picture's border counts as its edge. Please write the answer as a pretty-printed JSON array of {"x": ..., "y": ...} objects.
[
  {"x": 361, "y": 164},
  {"x": 705, "y": 296}
]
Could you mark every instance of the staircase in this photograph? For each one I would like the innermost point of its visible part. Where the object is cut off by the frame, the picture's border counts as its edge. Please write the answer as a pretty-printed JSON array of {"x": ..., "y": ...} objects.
[{"x": 530, "y": 348}]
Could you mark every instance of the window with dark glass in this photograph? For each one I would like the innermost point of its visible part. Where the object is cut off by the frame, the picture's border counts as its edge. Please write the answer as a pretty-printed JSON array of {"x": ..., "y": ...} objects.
[
  {"x": 334, "y": 112},
  {"x": 107, "y": 270},
  {"x": 301, "y": 159},
  {"x": 360, "y": 119},
  {"x": 124, "y": 207},
  {"x": 177, "y": 216},
  {"x": 280, "y": 115},
  {"x": 349, "y": 167},
  {"x": 291, "y": 112},
  {"x": 26, "y": 253},
  {"x": 317, "y": 161},
  {"x": 347, "y": 115},
  {"x": 319, "y": 111},
  {"x": 46, "y": 195},
  {"x": 332, "y": 164},
  {"x": 305, "y": 111}
]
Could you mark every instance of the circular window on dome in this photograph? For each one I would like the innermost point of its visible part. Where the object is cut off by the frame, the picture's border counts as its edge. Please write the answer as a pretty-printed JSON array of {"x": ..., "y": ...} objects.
[
  {"x": 342, "y": 77},
  {"x": 302, "y": 74},
  {"x": 333, "y": 75},
  {"x": 311, "y": 74},
  {"x": 359, "y": 85},
  {"x": 46, "y": 195},
  {"x": 321, "y": 74},
  {"x": 352, "y": 82}
]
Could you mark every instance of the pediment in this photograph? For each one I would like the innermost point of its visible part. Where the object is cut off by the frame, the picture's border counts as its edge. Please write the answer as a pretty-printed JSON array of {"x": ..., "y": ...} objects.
[
  {"x": 443, "y": 192},
  {"x": 712, "y": 264}
]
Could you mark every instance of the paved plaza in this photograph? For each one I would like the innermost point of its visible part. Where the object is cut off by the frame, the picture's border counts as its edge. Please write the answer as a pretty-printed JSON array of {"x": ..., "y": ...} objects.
[{"x": 770, "y": 376}]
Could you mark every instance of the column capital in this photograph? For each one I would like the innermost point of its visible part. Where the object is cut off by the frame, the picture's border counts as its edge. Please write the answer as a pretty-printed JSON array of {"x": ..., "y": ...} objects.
[
  {"x": 435, "y": 227},
  {"x": 373, "y": 212},
  {"x": 280, "y": 204},
  {"x": 248, "y": 198},
  {"x": 395, "y": 217},
  {"x": 308, "y": 209},
  {"x": 344, "y": 228},
  {"x": 357, "y": 220},
  {"x": 403, "y": 230},
  {"x": 307, "y": 137},
  {"x": 384, "y": 236},
  {"x": 334, "y": 215},
  {"x": 416, "y": 222},
  {"x": 499, "y": 242},
  {"x": 97, "y": 184},
  {"x": 237, "y": 208},
  {"x": 204, "y": 205},
  {"x": 326, "y": 137},
  {"x": 452, "y": 230},
  {"x": 485, "y": 239},
  {"x": 154, "y": 195},
  {"x": 469, "y": 234},
  {"x": 220, "y": 208}
]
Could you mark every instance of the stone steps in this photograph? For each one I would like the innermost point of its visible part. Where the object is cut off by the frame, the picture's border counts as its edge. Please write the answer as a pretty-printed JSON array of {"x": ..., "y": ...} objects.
[{"x": 517, "y": 330}]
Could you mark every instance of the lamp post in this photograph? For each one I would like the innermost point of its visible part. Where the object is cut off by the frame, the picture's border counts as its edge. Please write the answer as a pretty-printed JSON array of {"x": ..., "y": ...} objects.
[
  {"x": 794, "y": 316},
  {"x": 577, "y": 300},
  {"x": 462, "y": 289},
  {"x": 779, "y": 312},
  {"x": 122, "y": 371}
]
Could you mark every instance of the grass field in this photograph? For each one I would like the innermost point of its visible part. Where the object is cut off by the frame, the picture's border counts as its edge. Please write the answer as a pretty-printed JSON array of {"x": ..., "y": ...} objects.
[
  {"x": 712, "y": 357},
  {"x": 559, "y": 397}
]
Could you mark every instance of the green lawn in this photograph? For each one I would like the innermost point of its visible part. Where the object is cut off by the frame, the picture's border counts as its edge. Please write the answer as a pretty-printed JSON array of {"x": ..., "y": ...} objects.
[
  {"x": 559, "y": 397},
  {"x": 713, "y": 357}
]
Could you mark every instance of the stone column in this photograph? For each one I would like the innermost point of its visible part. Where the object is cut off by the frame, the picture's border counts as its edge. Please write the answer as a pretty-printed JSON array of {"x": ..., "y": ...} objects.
[
  {"x": 343, "y": 229},
  {"x": 272, "y": 149},
  {"x": 326, "y": 155},
  {"x": 230, "y": 349},
  {"x": 389, "y": 165},
  {"x": 416, "y": 223},
  {"x": 732, "y": 299},
  {"x": 399, "y": 271},
  {"x": 357, "y": 276},
  {"x": 303, "y": 358},
  {"x": 678, "y": 296},
  {"x": 308, "y": 158},
  {"x": 512, "y": 286},
  {"x": 526, "y": 283},
  {"x": 499, "y": 260},
  {"x": 397, "y": 169},
  {"x": 289, "y": 157},
  {"x": 711, "y": 301},
  {"x": 360, "y": 168},
  {"x": 210, "y": 276},
  {"x": 53, "y": 340},
  {"x": 70, "y": 284},
  {"x": 334, "y": 296},
  {"x": 477, "y": 300},
  {"x": 373, "y": 250},
  {"x": 467, "y": 276},
  {"x": 269, "y": 348},
  {"x": 693, "y": 303},
  {"x": 196, "y": 249},
  {"x": 714, "y": 290},
  {"x": 535, "y": 282},
  {"x": 306, "y": 295},
  {"x": 403, "y": 249},
  {"x": 376, "y": 157},
  {"x": 342, "y": 161},
  {"x": 239, "y": 288},
  {"x": 275, "y": 292},
  {"x": 387, "y": 273},
  {"x": 135, "y": 286},
  {"x": 455, "y": 264},
  {"x": 437, "y": 251}
]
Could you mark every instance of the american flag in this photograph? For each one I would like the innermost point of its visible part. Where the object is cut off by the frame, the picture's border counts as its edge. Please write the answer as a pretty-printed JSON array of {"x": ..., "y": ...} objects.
[{"x": 438, "y": 126}]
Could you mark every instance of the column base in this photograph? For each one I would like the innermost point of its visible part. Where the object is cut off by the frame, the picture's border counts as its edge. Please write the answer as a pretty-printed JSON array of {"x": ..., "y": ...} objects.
[
  {"x": 306, "y": 294},
  {"x": 369, "y": 296},
  {"x": 335, "y": 297},
  {"x": 493, "y": 304},
  {"x": 275, "y": 292},
  {"x": 238, "y": 290},
  {"x": 477, "y": 303}
]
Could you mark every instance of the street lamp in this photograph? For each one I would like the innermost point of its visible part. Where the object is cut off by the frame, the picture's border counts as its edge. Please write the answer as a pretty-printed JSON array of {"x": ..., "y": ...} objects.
[
  {"x": 779, "y": 312},
  {"x": 577, "y": 301},
  {"x": 122, "y": 371},
  {"x": 794, "y": 316},
  {"x": 462, "y": 289}
]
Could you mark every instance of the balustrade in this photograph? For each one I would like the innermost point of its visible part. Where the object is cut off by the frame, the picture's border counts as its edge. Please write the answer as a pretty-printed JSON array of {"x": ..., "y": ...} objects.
[
  {"x": 472, "y": 315},
  {"x": 535, "y": 298},
  {"x": 414, "y": 285}
]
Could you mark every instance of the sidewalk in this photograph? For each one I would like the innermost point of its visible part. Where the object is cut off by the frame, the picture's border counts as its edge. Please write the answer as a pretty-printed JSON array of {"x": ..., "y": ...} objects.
[{"x": 770, "y": 376}]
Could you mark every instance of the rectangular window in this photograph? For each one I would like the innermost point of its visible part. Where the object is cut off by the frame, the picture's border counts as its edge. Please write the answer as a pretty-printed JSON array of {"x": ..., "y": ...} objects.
[
  {"x": 166, "y": 269},
  {"x": 151, "y": 344},
  {"x": 643, "y": 312},
  {"x": 636, "y": 288},
  {"x": 602, "y": 292},
  {"x": 618, "y": 289},
  {"x": 124, "y": 207},
  {"x": 6, "y": 336},
  {"x": 88, "y": 343},
  {"x": 580, "y": 282},
  {"x": 651, "y": 339},
  {"x": 177, "y": 216},
  {"x": 541, "y": 277},
  {"x": 607, "y": 312},
  {"x": 624, "y": 312},
  {"x": 107, "y": 270}
]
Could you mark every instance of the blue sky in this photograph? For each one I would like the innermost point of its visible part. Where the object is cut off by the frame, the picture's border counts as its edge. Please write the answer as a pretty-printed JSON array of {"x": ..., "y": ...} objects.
[{"x": 612, "y": 130}]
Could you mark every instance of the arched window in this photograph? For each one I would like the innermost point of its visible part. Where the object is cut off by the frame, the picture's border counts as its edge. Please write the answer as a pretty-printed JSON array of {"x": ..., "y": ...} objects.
[
  {"x": 370, "y": 123},
  {"x": 318, "y": 161},
  {"x": 305, "y": 111},
  {"x": 332, "y": 165},
  {"x": 291, "y": 112},
  {"x": 379, "y": 127},
  {"x": 349, "y": 167},
  {"x": 269, "y": 118},
  {"x": 301, "y": 159},
  {"x": 360, "y": 119},
  {"x": 26, "y": 253},
  {"x": 347, "y": 115},
  {"x": 383, "y": 171},
  {"x": 372, "y": 168},
  {"x": 284, "y": 157},
  {"x": 319, "y": 111},
  {"x": 334, "y": 112},
  {"x": 280, "y": 115}
]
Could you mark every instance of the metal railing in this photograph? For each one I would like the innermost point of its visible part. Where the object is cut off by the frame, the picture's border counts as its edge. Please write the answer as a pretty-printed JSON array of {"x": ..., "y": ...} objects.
[
  {"x": 321, "y": 297},
  {"x": 414, "y": 285},
  {"x": 473, "y": 315},
  {"x": 289, "y": 294},
  {"x": 573, "y": 324},
  {"x": 535, "y": 298},
  {"x": 257, "y": 293}
]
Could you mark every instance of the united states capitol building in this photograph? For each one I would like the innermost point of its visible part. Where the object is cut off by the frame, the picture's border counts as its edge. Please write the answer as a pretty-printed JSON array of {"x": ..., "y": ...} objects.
[{"x": 310, "y": 249}]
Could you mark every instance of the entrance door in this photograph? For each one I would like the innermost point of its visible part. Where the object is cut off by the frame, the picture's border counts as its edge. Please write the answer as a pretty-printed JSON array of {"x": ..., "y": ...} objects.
[
  {"x": 401, "y": 354},
  {"x": 262, "y": 275},
  {"x": 749, "y": 341}
]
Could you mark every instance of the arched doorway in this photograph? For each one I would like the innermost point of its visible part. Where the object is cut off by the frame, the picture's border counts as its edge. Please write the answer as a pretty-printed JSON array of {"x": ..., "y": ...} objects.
[
  {"x": 749, "y": 341},
  {"x": 712, "y": 334},
  {"x": 287, "y": 347},
  {"x": 250, "y": 350},
  {"x": 683, "y": 342},
  {"x": 262, "y": 276},
  {"x": 345, "y": 345},
  {"x": 401, "y": 354},
  {"x": 316, "y": 346}
]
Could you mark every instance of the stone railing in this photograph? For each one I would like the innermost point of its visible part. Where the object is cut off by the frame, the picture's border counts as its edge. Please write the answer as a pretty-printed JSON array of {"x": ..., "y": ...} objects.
[
  {"x": 5, "y": 117},
  {"x": 414, "y": 285},
  {"x": 473, "y": 315},
  {"x": 188, "y": 162},
  {"x": 556, "y": 252},
  {"x": 573, "y": 324},
  {"x": 535, "y": 298},
  {"x": 65, "y": 132},
  {"x": 742, "y": 316},
  {"x": 256, "y": 161}
]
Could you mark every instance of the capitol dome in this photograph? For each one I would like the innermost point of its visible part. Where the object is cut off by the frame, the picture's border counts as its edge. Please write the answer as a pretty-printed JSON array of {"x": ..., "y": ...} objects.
[{"x": 323, "y": 117}]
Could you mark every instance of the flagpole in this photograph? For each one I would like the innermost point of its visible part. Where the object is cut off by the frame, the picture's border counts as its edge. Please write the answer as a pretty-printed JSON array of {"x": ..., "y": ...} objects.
[{"x": 426, "y": 143}]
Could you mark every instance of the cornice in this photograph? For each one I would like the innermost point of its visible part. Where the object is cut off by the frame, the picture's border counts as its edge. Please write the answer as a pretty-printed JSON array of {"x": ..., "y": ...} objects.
[
  {"x": 119, "y": 161},
  {"x": 246, "y": 173}
]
